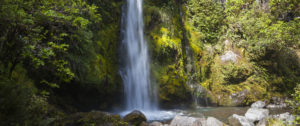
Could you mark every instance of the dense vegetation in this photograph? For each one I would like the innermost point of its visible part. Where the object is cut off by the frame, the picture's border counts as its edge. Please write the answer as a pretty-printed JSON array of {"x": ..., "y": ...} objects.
[{"x": 61, "y": 56}]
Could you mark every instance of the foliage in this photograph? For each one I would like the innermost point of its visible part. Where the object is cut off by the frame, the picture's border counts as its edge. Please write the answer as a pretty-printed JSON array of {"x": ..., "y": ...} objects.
[
  {"x": 20, "y": 104},
  {"x": 285, "y": 10},
  {"x": 206, "y": 16},
  {"x": 295, "y": 103},
  {"x": 40, "y": 34},
  {"x": 270, "y": 42},
  {"x": 54, "y": 41}
]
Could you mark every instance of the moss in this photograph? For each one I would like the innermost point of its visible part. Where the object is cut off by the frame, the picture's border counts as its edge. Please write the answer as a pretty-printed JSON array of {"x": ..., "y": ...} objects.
[
  {"x": 164, "y": 36},
  {"x": 94, "y": 118}
]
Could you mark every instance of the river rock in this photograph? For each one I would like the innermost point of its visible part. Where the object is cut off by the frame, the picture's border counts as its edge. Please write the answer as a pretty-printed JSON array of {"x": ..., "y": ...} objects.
[
  {"x": 144, "y": 124},
  {"x": 285, "y": 117},
  {"x": 187, "y": 121},
  {"x": 236, "y": 120},
  {"x": 258, "y": 104},
  {"x": 277, "y": 102},
  {"x": 274, "y": 106},
  {"x": 256, "y": 114},
  {"x": 211, "y": 121},
  {"x": 155, "y": 124},
  {"x": 262, "y": 122},
  {"x": 135, "y": 118}
]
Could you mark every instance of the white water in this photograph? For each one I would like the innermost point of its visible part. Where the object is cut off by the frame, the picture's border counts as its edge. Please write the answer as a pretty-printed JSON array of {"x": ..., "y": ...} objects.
[
  {"x": 136, "y": 76},
  {"x": 139, "y": 94}
]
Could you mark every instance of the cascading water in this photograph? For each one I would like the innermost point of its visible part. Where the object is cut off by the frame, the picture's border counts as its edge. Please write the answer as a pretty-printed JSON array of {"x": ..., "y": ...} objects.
[
  {"x": 136, "y": 76},
  {"x": 139, "y": 94}
]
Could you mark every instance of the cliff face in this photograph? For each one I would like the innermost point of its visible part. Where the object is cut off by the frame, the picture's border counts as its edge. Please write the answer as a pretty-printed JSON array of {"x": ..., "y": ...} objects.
[
  {"x": 229, "y": 52},
  {"x": 214, "y": 45}
]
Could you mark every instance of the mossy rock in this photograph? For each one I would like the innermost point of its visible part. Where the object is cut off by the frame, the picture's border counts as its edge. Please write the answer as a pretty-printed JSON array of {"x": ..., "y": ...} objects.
[
  {"x": 95, "y": 118},
  {"x": 135, "y": 118}
]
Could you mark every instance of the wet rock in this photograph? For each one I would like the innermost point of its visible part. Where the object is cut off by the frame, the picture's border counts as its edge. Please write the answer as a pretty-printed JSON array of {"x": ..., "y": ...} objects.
[
  {"x": 199, "y": 94},
  {"x": 211, "y": 121},
  {"x": 262, "y": 122},
  {"x": 155, "y": 124},
  {"x": 236, "y": 120},
  {"x": 135, "y": 118},
  {"x": 258, "y": 104},
  {"x": 187, "y": 121},
  {"x": 256, "y": 114}
]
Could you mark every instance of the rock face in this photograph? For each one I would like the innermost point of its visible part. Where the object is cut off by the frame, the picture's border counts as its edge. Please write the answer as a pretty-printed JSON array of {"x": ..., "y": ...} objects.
[
  {"x": 236, "y": 120},
  {"x": 135, "y": 118},
  {"x": 211, "y": 121},
  {"x": 258, "y": 104},
  {"x": 238, "y": 98},
  {"x": 256, "y": 114},
  {"x": 187, "y": 121}
]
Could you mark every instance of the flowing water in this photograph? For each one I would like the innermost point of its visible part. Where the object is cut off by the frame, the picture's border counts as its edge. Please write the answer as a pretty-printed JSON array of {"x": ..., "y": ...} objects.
[
  {"x": 139, "y": 93},
  {"x": 136, "y": 76}
]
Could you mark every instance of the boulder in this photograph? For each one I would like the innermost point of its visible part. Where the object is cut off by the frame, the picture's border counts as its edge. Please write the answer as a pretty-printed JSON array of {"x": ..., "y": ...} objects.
[
  {"x": 187, "y": 121},
  {"x": 135, "y": 118},
  {"x": 155, "y": 124},
  {"x": 236, "y": 120},
  {"x": 262, "y": 122},
  {"x": 211, "y": 121},
  {"x": 285, "y": 117},
  {"x": 258, "y": 104},
  {"x": 256, "y": 114},
  {"x": 144, "y": 124},
  {"x": 97, "y": 117}
]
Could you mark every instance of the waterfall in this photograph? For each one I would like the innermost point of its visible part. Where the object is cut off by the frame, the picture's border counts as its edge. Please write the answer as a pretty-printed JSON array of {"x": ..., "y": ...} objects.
[
  {"x": 135, "y": 74},
  {"x": 139, "y": 93}
]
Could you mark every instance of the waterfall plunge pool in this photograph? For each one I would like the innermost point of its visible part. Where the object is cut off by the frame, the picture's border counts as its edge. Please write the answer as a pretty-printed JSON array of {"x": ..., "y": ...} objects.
[{"x": 221, "y": 113}]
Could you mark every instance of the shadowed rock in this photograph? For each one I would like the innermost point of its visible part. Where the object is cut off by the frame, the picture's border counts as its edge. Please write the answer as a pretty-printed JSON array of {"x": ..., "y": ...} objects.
[
  {"x": 135, "y": 118},
  {"x": 236, "y": 120}
]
